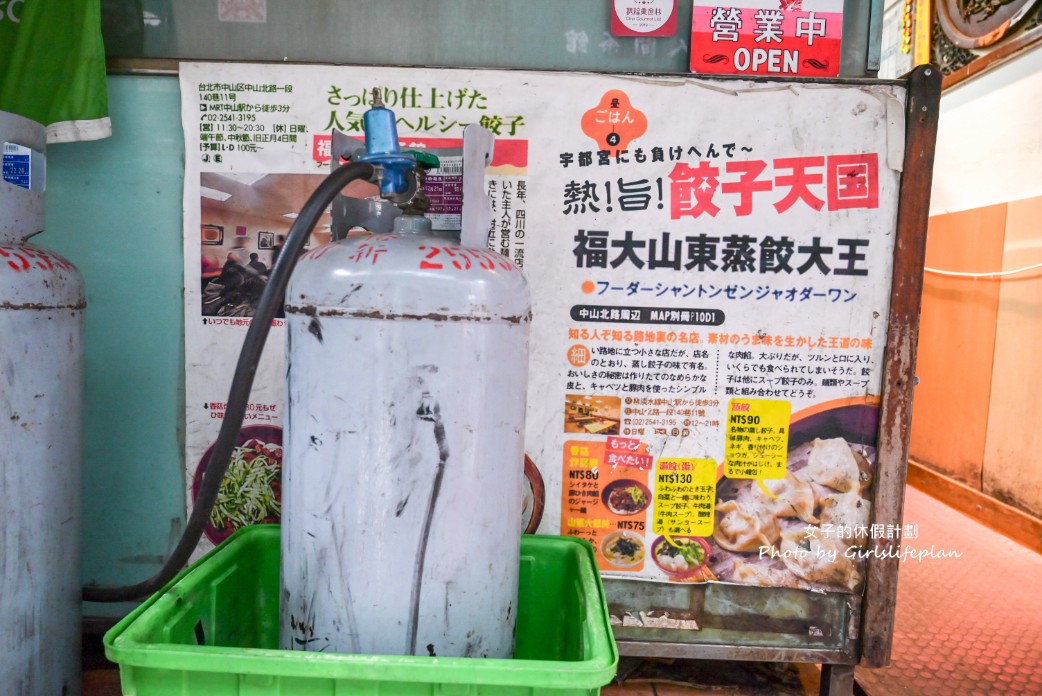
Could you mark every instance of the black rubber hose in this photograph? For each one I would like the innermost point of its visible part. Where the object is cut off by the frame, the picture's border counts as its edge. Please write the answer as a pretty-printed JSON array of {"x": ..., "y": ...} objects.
[{"x": 238, "y": 397}]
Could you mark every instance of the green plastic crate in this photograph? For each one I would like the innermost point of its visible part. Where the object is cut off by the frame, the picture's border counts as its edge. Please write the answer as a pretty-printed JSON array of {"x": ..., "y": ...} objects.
[{"x": 213, "y": 631}]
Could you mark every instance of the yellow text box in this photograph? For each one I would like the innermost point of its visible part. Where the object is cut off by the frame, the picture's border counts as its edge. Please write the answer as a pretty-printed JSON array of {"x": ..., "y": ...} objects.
[
  {"x": 685, "y": 497},
  {"x": 757, "y": 438}
]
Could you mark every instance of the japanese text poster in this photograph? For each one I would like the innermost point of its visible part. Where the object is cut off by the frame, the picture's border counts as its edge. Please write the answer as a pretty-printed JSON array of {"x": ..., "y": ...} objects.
[{"x": 710, "y": 264}]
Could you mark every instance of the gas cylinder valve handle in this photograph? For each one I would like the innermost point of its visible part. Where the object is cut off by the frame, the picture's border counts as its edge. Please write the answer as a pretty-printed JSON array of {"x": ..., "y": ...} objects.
[
  {"x": 242, "y": 382},
  {"x": 381, "y": 147}
]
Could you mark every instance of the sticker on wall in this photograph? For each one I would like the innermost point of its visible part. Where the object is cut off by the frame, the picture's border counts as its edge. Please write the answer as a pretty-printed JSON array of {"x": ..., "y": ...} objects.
[
  {"x": 242, "y": 11},
  {"x": 767, "y": 37},
  {"x": 644, "y": 17}
]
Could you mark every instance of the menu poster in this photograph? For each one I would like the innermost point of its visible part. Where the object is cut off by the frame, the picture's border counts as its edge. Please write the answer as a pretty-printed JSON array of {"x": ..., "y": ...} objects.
[{"x": 710, "y": 263}]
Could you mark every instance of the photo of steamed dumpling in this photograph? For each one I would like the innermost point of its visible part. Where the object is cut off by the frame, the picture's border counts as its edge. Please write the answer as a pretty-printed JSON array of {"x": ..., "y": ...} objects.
[
  {"x": 847, "y": 517},
  {"x": 787, "y": 497},
  {"x": 831, "y": 463},
  {"x": 762, "y": 574},
  {"x": 794, "y": 530},
  {"x": 818, "y": 558},
  {"x": 742, "y": 529}
]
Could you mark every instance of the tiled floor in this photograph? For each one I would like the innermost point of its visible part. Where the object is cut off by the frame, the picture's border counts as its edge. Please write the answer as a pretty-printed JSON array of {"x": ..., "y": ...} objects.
[
  {"x": 969, "y": 625},
  {"x": 966, "y": 625}
]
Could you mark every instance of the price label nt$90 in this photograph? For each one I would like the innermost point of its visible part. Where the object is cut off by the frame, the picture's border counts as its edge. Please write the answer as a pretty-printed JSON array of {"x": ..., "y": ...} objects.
[{"x": 757, "y": 438}]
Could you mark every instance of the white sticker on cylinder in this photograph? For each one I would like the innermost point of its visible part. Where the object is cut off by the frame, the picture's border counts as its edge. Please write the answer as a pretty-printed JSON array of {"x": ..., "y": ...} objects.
[{"x": 24, "y": 167}]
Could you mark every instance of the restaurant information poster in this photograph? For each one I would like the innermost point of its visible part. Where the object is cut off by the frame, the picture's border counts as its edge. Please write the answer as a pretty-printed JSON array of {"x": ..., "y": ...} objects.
[{"x": 710, "y": 264}]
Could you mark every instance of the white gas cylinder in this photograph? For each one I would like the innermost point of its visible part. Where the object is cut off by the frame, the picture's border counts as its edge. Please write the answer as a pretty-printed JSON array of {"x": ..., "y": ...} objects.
[
  {"x": 402, "y": 487},
  {"x": 41, "y": 378}
]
